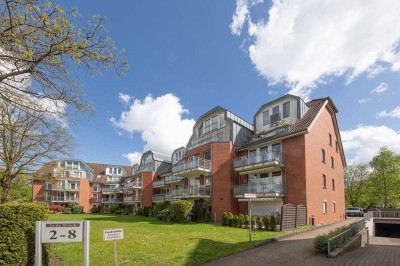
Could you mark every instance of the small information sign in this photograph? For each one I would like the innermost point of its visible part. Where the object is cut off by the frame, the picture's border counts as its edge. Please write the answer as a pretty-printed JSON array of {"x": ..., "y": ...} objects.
[
  {"x": 249, "y": 196},
  {"x": 113, "y": 234},
  {"x": 55, "y": 232}
]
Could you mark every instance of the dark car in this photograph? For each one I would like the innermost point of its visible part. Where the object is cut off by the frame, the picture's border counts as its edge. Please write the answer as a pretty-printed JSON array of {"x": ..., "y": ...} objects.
[{"x": 355, "y": 211}]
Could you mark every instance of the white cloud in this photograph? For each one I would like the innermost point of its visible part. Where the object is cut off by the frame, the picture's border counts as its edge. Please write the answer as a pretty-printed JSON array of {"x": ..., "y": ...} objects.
[
  {"x": 306, "y": 43},
  {"x": 381, "y": 88},
  {"x": 133, "y": 157},
  {"x": 124, "y": 98},
  {"x": 395, "y": 113},
  {"x": 242, "y": 15},
  {"x": 272, "y": 92},
  {"x": 159, "y": 121},
  {"x": 364, "y": 100},
  {"x": 364, "y": 142}
]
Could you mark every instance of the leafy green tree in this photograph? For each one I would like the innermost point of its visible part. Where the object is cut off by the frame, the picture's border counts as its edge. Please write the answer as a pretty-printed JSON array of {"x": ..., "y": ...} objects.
[
  {"x": 354, "y": 182},
  {"x": 21, "y": 189},
  {"x": 384, "y": 182},
  {"x": 40, "y": 43}
]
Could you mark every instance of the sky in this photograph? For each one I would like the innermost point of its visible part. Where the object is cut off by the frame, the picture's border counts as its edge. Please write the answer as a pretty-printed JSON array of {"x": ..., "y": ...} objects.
[{"x": 186, "y": 57}]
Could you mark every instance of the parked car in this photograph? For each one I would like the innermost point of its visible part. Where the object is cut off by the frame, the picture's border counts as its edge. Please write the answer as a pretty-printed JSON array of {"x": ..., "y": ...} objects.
[{"x": 355, "y": 211}]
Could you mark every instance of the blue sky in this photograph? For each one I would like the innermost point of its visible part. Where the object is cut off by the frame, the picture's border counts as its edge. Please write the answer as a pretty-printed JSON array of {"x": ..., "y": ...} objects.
[{"x": 187, "y": 57}]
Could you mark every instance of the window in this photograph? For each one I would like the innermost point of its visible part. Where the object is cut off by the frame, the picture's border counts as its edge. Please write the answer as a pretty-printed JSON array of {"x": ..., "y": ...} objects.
[
  {"x": 47, "y": 196},
  {"x": 207, "y": 180},
  {"x": 275, "y": 110},
  {"x": 265, "y": 117},
  {"x": 330, "y": 140},
  {"x": 323, "y": 181},
  {"x": 48, "y": 186},
  {"x": 332, "y": 162},
  {"x": 252, "y": 156},
  {"x": 207, "y": 155},
  {"x": 323, "y": 155},
  {"x": 286, "y": 109},
  {"x": 95, "y": 197},
  {"x": 337, "y": 146},
  {"x": 325, "y": 207},
  {"x": 333, "y": 206},
  {"x": 333, "y": 184},
  {"x": 264, "y": 178},
  {"x": 96, "y": 187}
]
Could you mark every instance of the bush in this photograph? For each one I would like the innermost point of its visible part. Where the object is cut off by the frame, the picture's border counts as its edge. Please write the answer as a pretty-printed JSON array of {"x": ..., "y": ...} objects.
[
  {"x": 119, "y": 209},
  {"x": 139, "y": 211},
  {"x": 200, "y": 216},
  {"x": 321, "y": 241},
  {"x": 207, "y": 217},
  {"x": 160, "y": 207},
  {"x": 56, "y": 208},
  {"x": 77, "y": 209},
  {"x": 225, "y": 219},
  {"x": 266, "y": 222},
  {"x": 20, "y": 218},
  {"x": 246, "y": 220},
  {"x": 230, "y": 218},
  {"x": 259, "y": 222},
  {"x": 180, "y": 210},
  {"x": 147, "y": 211},
  {"x": 241, "y": 220},
  {"x": 164, "y": 215},
  {"x": 68, "y": 210},
  {"x": 94, "y": 209},
  {"x": 272, "y": 223},
  {"x": 235, "y": 221},
  {"x": 253, "y": 221}
]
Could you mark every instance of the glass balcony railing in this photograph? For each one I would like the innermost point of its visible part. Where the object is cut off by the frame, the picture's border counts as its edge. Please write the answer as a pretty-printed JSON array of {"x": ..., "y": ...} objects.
[
  {"x": 193, "y": 168},
  {"x": 263, "y": 189},
  {"x": 269, "y": 158},
  {"x": 64, "y": 199}
]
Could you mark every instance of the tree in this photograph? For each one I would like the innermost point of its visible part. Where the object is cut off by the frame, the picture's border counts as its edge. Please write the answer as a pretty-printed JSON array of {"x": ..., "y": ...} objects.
[
  {"x": 39, "y": 45},
  {"x": 21, "y": 189},
  {"x": 27, "y": 140},
  {"x": 384, "y": 182},
  {"x": 354, "y": 182}
]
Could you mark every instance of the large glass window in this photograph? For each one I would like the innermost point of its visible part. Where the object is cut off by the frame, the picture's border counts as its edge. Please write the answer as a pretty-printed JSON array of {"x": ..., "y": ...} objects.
[
  {"x": 286, "y": 109},
  {"x": 275, "y": 110},
  {"x": 207, "y": 180},
  {"x": 207, "y": 155},
  {"x": 96, "y": 187},
  {"x": 265, "y": 117}
]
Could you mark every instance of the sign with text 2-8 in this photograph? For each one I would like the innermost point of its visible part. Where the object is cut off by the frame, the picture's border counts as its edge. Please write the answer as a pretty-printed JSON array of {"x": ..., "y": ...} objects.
[
  {"x": 113, "y": 234},
  {"x": 60, "y": 231}
]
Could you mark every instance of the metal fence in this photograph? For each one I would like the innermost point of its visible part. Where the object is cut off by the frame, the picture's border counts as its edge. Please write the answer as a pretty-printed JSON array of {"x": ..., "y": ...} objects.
[{"x": 341, "y": 239}]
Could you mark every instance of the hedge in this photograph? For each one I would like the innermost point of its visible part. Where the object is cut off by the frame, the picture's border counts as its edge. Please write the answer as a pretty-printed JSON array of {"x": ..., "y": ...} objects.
[
  {"x": 180, "y": 210},
  {"x": 17, "y": 228}
]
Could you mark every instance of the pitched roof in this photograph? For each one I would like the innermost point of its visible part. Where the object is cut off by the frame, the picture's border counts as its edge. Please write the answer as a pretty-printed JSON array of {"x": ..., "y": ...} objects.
[{"x": 299, "y": 127}]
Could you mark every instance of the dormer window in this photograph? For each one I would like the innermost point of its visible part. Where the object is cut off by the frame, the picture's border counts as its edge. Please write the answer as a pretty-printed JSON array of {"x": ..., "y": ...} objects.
[
  {"x": 266, "y": 117},
  {"x": 286, "y": 110}
]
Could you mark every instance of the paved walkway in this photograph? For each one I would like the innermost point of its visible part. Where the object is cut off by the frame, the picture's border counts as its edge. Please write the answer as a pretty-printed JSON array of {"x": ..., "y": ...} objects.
[{"x": 299, "y": 250}]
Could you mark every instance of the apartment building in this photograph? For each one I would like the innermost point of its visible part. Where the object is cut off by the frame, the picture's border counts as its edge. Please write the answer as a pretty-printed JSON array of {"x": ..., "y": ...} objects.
[{"x": 291, "y": 153}]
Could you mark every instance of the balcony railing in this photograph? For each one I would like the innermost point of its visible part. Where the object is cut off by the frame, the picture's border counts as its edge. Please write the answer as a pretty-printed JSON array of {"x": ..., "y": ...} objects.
[
  {"x": 193, "y": 168},
  {"x": 190, "y": 192},
  {"x": 111, "y": 190},
  {"x": 173, "y": 179},
  {"x": 160, "y": 183},
  {"x": 137, "y": 184},
  {"x": 158, "y": 197},
  {"x": 111, "y": 201},
  {"x": 266, "y": 159},
  {"x": 208, "y": 140},
  {"x": 132, "y": 199},
  {"x": 64, "y": 199},
  {"x": 149, "y": 167},
  {"x": 263, "y": 190}
]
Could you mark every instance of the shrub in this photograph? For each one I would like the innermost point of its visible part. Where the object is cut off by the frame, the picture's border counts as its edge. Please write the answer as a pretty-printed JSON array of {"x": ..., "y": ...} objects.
[
  {"x": 321, "y": 241},
  {"x": 164, "y": 215},
  {"x": 68, "y": 210},
  {"x": 235, "y": 221},
  {"x": 246, "y": 220},
  {"x": 253, "y": 221},
  {"x": 147, "y": 211},
  {"x": 77, "y": 209},
  {"x": 159, "y": 207},
  {"x": 259, "y": 222},
  {"x": 21, "y": 217},
  {"x": 266, "y": 222},
  {"x": 272, "y": 223},
  {"x": 119, "y": 209},
  {"x": 240, "y": 220},
  {"x": 56, "y": 208},
  {"x": 139, "y": 211},
  {"x": 225, "y": 219},
  {"x": 200, "y": 216},
  {"x": 230, "y": 218},
  {"x": 207, "y": 216},
  {"x": 180, "y": 210},
  {"x": 94, "y": 209}
]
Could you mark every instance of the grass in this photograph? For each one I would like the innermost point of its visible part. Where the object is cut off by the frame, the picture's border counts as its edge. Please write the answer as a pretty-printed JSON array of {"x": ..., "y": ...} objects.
[{"x": 151, "y": 242}]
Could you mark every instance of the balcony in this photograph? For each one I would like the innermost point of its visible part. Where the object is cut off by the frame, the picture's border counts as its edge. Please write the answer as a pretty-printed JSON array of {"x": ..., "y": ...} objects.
[
  {"x": 193, "y": 168},
  {"x": 263, "y": 190},
  {"x": 65, "y": 199},
  {"x": 206, "y": 141},
  {"x": 111, "y": 190},
  {"x": 173, "y": 179},
  {"x": 265, "y": 161},
  {"x": 157, "y": 184},
  {"x": 189, "y": 192},
  {"x": 158, "y": 198},
  {"x": 132, "y": 199},
  {"x": 63, "y": 188},
  {"x": 111, "y": 201}
]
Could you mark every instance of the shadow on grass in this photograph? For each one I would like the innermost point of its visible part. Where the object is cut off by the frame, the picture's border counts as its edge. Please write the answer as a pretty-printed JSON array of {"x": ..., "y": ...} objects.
[{"x": 208, "y": 250}]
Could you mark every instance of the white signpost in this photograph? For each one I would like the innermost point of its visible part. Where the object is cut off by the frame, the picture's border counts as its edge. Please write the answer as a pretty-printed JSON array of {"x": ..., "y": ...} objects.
[
  {"x": 114, "y": 235},
  {"x": 61, "y": 231},
  {"x": 249, "y": 196}
]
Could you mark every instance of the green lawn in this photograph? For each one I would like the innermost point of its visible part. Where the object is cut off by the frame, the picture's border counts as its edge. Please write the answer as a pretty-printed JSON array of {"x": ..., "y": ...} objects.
[{"x": 151, "y": 242}]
